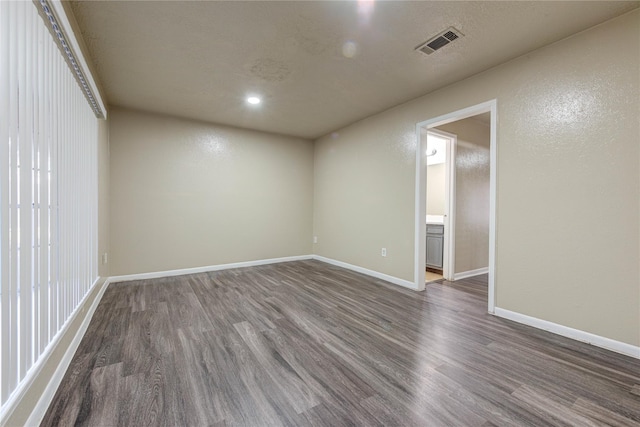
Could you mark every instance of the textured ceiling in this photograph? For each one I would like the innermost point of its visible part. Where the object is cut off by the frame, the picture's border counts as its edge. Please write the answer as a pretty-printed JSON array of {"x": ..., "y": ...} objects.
[{"x": 317, "y": 65}]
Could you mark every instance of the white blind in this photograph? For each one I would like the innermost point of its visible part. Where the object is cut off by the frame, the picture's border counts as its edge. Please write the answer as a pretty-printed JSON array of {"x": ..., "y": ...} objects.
[{"x": 48, "y": 192}]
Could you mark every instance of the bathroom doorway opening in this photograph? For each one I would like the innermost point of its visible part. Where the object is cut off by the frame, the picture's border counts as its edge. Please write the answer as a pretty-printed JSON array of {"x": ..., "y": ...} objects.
[{"x": 440, "y": 203}]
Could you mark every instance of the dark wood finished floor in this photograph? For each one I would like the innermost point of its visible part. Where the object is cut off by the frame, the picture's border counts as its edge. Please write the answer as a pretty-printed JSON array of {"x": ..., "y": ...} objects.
[{"x": 308, "y": 344}]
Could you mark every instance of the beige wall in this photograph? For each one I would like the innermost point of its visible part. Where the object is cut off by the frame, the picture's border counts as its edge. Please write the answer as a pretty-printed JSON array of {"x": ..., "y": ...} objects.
[
  {"x": 470, "y": 130},
  {"x": 435, "y": 189},
  {"x": 103, "y": 196},
  {"x": 189, "y": 194},
  {"x": 567, "y": 181},
  {"x": 472, "y": 194}
]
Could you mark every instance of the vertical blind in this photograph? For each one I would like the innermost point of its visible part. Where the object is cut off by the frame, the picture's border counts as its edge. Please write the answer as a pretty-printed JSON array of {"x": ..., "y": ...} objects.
[{"x": 48, "y": 193}]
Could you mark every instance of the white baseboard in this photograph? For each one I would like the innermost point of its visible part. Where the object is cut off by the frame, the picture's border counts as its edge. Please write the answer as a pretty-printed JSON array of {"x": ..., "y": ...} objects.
[
  {"x": 205, "y": 269},
  {"x": 372, "y": 273},
  {"x": 46, "y": 397},
  {"x": 471, "y": 273},
  {"x": 183, "y": 271},
  {"x": 576, "y": 334}
]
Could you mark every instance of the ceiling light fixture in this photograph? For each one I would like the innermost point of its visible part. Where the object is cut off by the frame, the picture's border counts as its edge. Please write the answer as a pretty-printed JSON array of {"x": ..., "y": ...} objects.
[{"x": 254, "y": 100}]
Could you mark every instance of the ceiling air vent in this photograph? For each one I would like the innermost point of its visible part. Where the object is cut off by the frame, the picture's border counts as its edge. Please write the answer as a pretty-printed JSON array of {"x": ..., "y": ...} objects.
[{"x": 439, "y": 41}]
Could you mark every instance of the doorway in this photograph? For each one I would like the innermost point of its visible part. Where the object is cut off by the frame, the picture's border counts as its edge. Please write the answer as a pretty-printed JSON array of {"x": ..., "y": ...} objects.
[
  {"x": 420, "y": 193},
  {"x": 440, "y": 203}
]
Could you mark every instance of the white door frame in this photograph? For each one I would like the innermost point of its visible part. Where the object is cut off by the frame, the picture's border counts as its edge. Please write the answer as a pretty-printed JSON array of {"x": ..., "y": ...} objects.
[
  {"x": 448, "y": 259},
  {"x": 420, "y": 193}
]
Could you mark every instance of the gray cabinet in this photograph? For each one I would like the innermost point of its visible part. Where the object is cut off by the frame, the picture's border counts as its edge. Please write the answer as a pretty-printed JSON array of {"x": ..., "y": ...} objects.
[{"x": 435, "y": 245}]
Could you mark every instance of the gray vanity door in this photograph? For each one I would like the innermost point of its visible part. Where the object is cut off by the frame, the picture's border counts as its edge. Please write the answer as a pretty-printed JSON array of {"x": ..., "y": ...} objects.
[{"x": 434, "y": 251}]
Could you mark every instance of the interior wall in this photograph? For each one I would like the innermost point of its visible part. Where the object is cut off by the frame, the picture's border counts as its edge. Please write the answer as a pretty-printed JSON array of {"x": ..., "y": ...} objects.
[
  {"x": 470, "y": 130},
  {"x": 568, "y": 182},
  {"x": 103, "y": 196},
  {"x": 435, "y": 189},
  {"x": 190, "y": 194},
  {"x": 472, "y": 193}
]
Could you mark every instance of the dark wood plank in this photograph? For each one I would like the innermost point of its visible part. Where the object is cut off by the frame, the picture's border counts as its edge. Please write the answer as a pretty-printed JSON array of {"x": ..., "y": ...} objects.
[{"x": 309, "y": 344}]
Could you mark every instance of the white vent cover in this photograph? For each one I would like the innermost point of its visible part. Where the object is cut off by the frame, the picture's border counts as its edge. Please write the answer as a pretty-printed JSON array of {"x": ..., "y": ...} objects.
[{"x": 439, "y": 41}]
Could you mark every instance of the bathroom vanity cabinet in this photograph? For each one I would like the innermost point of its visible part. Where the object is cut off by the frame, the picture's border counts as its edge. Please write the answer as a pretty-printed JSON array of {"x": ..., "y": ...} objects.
[{"x": 435, "y": 245}]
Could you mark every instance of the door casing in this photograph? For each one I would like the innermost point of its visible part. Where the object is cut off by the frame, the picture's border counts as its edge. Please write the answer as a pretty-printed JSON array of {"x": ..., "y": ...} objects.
[{"x": 420, "y": 192}]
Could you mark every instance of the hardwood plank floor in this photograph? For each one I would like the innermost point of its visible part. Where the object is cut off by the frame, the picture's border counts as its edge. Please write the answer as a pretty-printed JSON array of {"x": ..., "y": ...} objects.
[{"x": 308, "y": 344}]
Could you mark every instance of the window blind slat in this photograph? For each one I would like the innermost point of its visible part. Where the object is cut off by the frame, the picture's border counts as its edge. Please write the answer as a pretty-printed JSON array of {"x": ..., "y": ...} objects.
[
  {"x": 43, "y": 106},
  {"x": 65, "y": 284},
  {"x": 53, "y": 184},
  {"x": 35, "y": 185},
  {"x": 33, "y": 130},
  {"x": 5, "y": 154},
  {"x": 13, "y": 195},
  {"x": 35, "y": 195},
  {"x": 25, "y": 189}
]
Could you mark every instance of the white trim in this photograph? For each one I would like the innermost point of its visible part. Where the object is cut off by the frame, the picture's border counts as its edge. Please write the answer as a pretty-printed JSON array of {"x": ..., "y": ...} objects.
[
  {"x": 450, "y": 234},
  {"x": 372, "y": 273},
  {"x": 420, "y": 230},
  {"x": 575, "y": 334},
  {"x": 471, "y": 273},
  {"x": 194, "y": 270},
  {"x": 183, "y": 271},
  {"x": 39, "y": 410},
  {"x": 493, "y": 189},
  {"x": 420, "y": 193}
]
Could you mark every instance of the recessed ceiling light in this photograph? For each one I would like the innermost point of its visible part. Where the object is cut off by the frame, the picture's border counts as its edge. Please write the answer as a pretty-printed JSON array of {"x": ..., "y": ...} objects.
[{"x": 253, "y": 100}]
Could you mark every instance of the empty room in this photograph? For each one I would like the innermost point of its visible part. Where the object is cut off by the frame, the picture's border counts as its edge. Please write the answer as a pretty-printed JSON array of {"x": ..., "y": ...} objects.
[{"x": 319, "y": 213}]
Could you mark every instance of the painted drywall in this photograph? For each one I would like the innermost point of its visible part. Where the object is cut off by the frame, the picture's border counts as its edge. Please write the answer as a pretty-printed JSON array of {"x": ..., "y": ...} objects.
[
  {"x": 472, "y": 208},
  {"x": 435, "y": 189},
  {"x": 470, "y": 130},
  {"x": 189, "y": 194},
  {"x": 472, "y": 194},
  {"x": 568, "y": 182},
  {"x": 103, "y": 197}
]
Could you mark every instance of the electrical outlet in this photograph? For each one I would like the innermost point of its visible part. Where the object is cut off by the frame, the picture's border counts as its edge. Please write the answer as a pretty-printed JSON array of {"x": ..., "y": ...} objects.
[
  {"x": 384, "y": 252},
  {"x": 315, "y": 239},
  {"x": 104, "y": 258}
]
